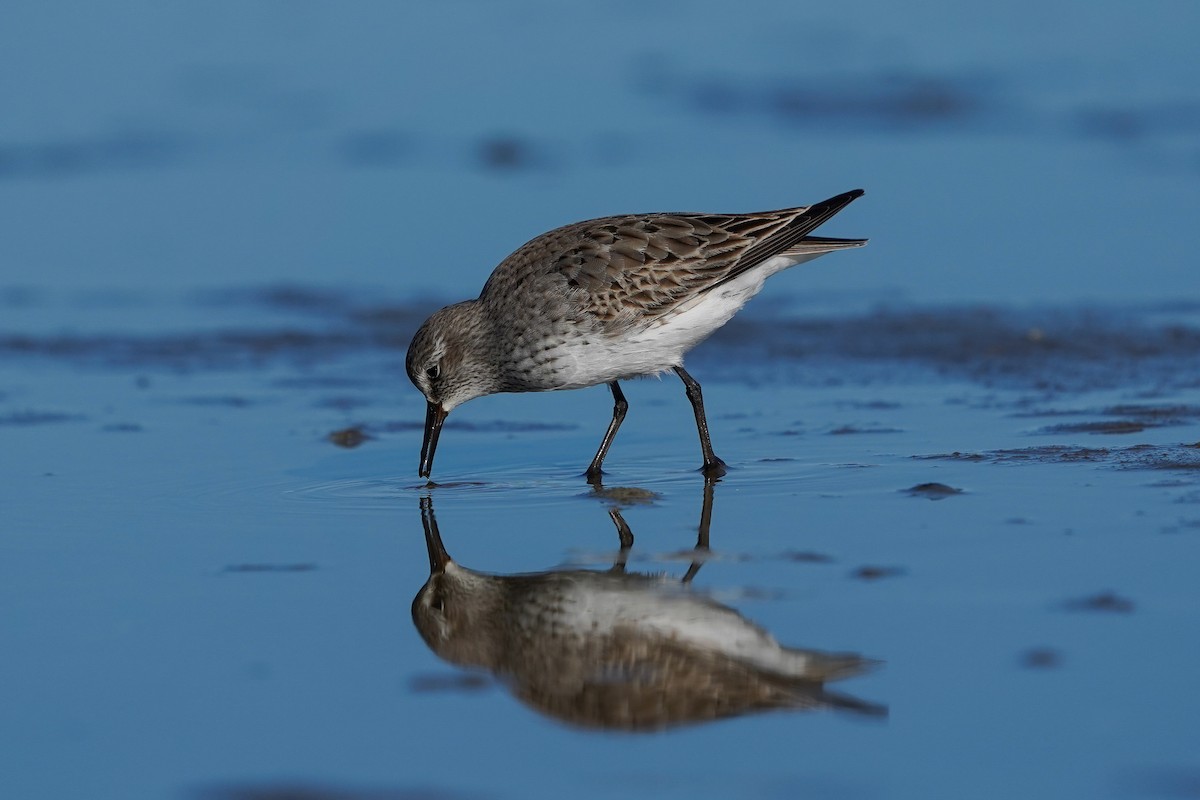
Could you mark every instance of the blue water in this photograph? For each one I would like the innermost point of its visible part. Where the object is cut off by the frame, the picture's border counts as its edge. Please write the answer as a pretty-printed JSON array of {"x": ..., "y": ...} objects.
[{"x": 203, "y": 597}]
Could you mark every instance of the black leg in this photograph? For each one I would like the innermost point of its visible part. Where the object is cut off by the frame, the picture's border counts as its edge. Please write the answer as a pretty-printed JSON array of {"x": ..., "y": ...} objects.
[
  {"x": 620, "y": 406},
  {"x": 713, "y": 466}
]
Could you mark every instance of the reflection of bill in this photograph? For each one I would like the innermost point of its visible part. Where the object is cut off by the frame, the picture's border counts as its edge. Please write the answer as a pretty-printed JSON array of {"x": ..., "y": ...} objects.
[{"x": 610, "y": 649}]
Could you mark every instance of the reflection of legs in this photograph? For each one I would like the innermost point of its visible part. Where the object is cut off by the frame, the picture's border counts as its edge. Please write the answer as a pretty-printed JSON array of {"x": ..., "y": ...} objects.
[
  {"x": 702, "y": 537},
  {"x": 626, "y": 536},
  {"x": 713, "y": 466},
  {"x": 701, "y": 551},
  {"x": 620, "y": 406}
]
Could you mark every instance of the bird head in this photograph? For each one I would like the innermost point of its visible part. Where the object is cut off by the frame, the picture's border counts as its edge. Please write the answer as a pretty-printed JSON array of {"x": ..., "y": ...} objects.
[{"x": 447, "y": 363}]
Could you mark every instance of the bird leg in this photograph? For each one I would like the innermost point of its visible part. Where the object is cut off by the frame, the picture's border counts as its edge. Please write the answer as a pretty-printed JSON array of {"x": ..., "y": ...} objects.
[
  {"x": 620, "y": 406},
  {"x": 713, "y": 466}
]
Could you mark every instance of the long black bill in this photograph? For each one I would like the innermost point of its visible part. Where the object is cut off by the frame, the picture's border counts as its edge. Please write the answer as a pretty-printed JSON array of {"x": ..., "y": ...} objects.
[
  {"x": 438, "y": 557},
  {"x": 435, "y": 415}
]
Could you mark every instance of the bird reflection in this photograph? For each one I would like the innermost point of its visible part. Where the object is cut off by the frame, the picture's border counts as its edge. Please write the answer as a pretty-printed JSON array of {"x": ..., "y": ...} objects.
[{"x": 612, "y": 649}]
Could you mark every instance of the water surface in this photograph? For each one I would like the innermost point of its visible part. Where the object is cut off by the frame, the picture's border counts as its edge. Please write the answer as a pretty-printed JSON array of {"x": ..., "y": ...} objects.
[{"x": 967, "y": 451}]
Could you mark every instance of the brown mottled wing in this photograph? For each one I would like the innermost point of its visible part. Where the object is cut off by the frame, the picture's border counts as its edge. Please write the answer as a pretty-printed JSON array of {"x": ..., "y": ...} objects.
[{"x": 652, "y": 262}]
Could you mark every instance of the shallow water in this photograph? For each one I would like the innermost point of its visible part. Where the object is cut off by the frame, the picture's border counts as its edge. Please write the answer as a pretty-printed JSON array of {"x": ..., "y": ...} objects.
[
  {"x": 213, "y": 597},
  {"x": 969, "y": 451}
]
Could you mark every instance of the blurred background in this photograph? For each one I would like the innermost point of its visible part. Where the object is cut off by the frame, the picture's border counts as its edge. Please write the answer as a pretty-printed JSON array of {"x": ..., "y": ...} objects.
[{"x": 1022, "y": 152}]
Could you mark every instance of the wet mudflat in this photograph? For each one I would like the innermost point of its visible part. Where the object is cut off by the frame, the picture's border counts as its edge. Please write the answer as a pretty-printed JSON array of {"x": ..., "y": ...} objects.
[{"x": 212, "y": 579}]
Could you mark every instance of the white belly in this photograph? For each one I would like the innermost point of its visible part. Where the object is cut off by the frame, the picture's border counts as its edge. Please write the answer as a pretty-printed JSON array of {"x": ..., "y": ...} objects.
[{"x": 661, "y": 345}]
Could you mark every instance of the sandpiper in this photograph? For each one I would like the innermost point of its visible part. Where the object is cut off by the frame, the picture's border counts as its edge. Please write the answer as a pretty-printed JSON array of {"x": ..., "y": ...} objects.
[{"x": 605, "y": 300}]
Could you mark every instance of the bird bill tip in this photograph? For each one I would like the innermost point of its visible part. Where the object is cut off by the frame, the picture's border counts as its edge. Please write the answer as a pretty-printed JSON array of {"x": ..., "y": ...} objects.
[{"x": 435, "y": 415}]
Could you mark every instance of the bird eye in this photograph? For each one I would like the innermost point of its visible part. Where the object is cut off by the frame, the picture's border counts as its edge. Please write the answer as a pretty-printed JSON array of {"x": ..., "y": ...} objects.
[{"x": 434, "y": 372}]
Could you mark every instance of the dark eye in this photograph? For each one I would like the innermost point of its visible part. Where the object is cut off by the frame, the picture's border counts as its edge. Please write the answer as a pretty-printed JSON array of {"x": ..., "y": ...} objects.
[{"x": 434, "y": 372}]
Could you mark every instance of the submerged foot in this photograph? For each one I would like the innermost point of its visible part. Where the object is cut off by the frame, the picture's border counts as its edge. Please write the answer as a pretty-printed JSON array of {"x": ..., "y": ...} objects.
[{"x": 714, "y": 468}]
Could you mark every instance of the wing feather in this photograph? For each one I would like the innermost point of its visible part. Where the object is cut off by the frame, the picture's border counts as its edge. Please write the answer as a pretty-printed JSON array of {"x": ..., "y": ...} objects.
[{"x": 608, "y": 268}]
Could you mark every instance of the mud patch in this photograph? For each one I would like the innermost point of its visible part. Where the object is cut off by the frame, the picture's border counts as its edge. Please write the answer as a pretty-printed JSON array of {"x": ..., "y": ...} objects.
[
  {"x": 875, "y": 573},
  {"x": 1114, "y": 427},
  {"x": 26, "y": 419},
  {"x": 1041, "y": 658},
  {"x": 509, "y": 153},
  {"x": 1185, "y": 457},
  {"x": 186, "y": 351},
  {"x": 868, "y": 101},
  {"x": 884, "y": 100},
  {"x": 1132, "y": 418},
  {"x": 218, "y": 401},
  {"x": 349, "y": 437},
  {"x": 1051, "y": 349},
  {"x": 1107, "y": 601},
  {"x": 845, "y": 430},
  {"x": 805, "y": 557},
  {"x": 123, "y": 427},
  {"x": 116, "y": 152},
  {"x": 932, "y": 491}
]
